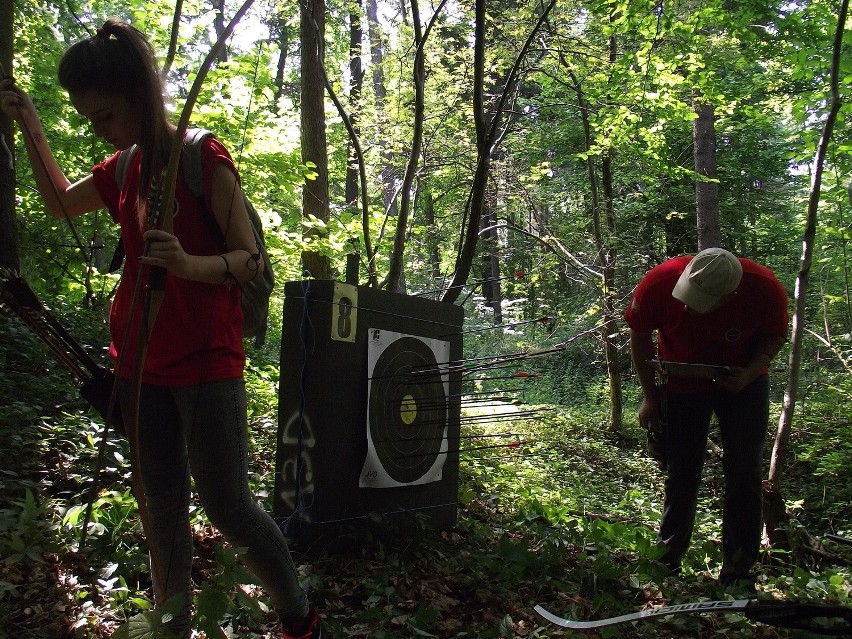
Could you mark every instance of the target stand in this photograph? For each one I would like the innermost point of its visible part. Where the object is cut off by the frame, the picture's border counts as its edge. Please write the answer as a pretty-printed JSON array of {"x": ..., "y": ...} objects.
[{"x": 368, "y": 412}]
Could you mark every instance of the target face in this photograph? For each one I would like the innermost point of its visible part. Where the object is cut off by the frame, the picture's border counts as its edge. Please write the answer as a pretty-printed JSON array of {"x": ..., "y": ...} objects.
[{"x": 406, "y": 409}]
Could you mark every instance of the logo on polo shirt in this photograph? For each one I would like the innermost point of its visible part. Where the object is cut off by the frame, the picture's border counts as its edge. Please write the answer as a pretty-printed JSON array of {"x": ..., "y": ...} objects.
[{"x": 733, "y": 335}]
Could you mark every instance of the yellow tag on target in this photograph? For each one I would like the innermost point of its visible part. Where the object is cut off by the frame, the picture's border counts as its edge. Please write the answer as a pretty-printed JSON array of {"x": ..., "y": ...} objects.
[{"x": 344, "y": 313}]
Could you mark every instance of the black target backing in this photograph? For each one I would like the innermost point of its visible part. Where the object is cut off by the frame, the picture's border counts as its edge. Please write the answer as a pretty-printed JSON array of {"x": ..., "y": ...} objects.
[{"x": 408, "y": 409}]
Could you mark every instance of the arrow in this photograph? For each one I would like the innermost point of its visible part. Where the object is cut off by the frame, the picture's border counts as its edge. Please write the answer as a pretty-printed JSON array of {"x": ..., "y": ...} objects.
[{"x": 815, "y": 618}]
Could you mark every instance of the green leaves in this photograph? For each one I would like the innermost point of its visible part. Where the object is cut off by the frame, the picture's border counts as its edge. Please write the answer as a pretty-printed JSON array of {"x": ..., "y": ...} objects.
[
  {"x": 151, "y": 624},
  {"x": 213, "y": 603}
]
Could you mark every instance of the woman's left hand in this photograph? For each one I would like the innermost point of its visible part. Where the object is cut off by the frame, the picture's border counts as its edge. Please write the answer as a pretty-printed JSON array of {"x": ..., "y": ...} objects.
[{"x": 165, "y": 250}]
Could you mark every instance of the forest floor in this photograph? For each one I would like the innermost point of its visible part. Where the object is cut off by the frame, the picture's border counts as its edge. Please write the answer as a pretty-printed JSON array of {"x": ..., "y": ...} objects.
[
  {"x": 567, "y": 523},
  {"x": 564, "y": 516}
]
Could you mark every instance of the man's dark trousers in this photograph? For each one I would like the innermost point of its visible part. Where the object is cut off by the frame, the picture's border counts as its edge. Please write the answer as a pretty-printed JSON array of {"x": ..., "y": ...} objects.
[{"x": 743, "y": 421}]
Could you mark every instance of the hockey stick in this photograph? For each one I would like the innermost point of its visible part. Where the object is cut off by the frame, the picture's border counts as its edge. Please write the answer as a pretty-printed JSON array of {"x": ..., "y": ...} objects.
[{"x": 815, "y": 618}]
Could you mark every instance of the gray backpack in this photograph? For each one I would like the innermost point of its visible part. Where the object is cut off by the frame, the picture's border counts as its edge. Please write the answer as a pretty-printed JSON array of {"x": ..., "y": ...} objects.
[{"x": 256, "y": 292}]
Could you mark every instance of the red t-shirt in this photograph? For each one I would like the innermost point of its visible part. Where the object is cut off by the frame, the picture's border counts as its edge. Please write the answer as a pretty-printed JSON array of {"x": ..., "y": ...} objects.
[
  {"x": 725, "y": 336},
  {"x": 197, "y": 336}
]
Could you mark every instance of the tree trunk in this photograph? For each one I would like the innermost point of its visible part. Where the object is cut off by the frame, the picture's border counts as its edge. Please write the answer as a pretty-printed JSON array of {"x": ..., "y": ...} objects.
[
  {"x": 377, "y": 54},
  {"x": 219, "y": 26},
  {"x": 9, "y": 257},
  {"x": 607, "y": 255},
  {"x": 706, "y": 192},
  {"x": 280, "y": 30},
  {"x": 487, "y": 138},
  {"x": 607, "y": 252},
  {"x": 491, "y": 289},
  {"x": 356, "y": 83},
  {"x": 470, "y": 234},
  {"x": 432, "y": 237},
  {"x": 847, "y": 297},
  {"x": 173, "y": 39},
  {"x": 396, "y": 273},
  {"x": 314, "y": 192},
  {"x": 772, "y": 486}
]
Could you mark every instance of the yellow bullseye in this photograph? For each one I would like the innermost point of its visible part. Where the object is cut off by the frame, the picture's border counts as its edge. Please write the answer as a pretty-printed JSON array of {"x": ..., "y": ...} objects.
[{"x": 408, "y": 410}]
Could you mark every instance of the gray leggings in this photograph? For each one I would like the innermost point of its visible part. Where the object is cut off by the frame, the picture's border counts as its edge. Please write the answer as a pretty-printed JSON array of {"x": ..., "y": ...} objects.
[{"x": 203, "y": 430}]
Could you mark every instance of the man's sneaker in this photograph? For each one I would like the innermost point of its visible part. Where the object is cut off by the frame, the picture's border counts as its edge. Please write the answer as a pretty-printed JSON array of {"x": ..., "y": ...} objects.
[{"x": 312, "y": 628}]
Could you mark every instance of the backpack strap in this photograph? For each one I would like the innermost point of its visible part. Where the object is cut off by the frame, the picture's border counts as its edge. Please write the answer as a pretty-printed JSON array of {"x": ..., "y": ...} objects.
[
  {"x": 193, "y": 174},
  {"x": 193, "y": 177},
  {"x": 192, "y": 168},
  {"x": 123, "y": 164}
]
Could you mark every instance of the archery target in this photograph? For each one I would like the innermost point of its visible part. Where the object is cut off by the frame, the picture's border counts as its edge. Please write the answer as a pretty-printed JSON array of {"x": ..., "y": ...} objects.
[{"x": 407, "y": 413}]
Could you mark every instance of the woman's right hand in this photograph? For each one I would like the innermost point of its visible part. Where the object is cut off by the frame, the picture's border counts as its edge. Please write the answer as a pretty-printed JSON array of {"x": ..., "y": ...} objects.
[
  {"x": 62, "y": 198},
  {"x": 15, "y": 102}
]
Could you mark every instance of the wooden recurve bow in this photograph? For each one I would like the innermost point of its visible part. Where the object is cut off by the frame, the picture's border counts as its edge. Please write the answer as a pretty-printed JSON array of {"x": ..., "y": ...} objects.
[{"x": 154, "y": 291}]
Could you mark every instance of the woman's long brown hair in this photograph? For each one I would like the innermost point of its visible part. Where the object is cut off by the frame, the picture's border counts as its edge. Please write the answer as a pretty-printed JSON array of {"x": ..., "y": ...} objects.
[{"x": 119, "y": 61}]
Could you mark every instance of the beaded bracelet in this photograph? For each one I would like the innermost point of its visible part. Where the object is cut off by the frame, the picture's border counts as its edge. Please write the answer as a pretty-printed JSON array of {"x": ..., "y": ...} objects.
[
  {"x": 227, "y": 275},
  {"x": 253, "y": 264}
]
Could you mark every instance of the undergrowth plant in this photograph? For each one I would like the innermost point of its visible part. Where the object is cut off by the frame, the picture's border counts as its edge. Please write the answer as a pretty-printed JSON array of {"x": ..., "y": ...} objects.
[{"x": 565, "y": 514}]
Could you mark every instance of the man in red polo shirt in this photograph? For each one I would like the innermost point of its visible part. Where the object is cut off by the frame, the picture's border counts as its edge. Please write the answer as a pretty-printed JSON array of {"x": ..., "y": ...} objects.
[{"x": 719, "y": 310}]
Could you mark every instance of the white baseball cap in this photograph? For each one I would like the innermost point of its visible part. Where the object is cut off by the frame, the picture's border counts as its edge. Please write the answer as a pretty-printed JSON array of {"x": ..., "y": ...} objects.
[{"x": 710, "y": 275}]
